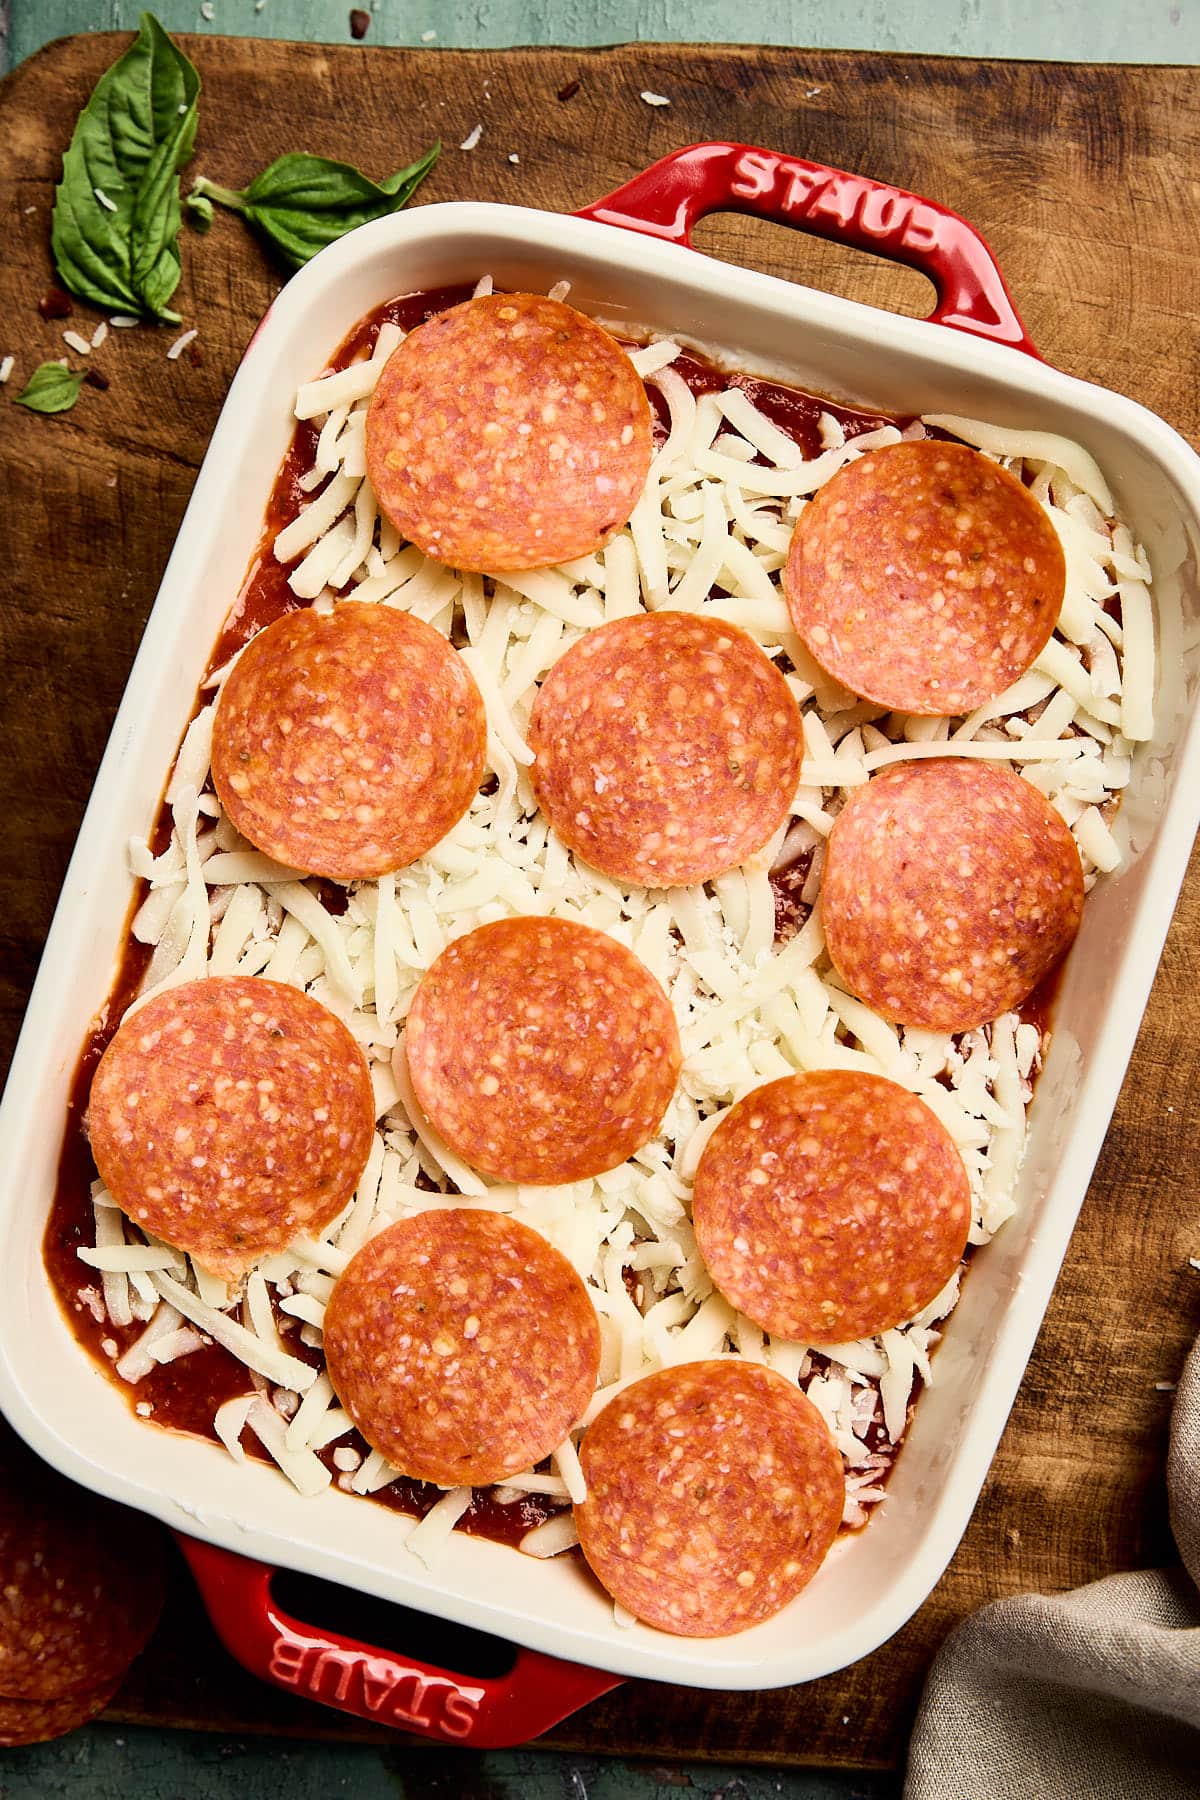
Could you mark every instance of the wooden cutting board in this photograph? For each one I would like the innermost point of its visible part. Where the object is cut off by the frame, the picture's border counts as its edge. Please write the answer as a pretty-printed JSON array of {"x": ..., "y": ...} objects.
[{"x": 1087, "y": 183}]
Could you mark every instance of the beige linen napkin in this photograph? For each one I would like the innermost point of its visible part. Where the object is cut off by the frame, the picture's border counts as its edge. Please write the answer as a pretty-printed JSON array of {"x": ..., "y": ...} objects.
[{"x": 1091, "y": 1695}]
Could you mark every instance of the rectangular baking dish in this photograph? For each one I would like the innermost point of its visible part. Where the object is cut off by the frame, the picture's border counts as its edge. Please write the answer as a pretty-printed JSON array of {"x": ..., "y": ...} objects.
[{"x": 982, "y": 366}]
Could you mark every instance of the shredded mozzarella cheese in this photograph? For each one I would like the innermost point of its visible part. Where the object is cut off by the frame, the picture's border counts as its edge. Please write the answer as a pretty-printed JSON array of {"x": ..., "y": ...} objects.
[{"x": 725, "y": 488}]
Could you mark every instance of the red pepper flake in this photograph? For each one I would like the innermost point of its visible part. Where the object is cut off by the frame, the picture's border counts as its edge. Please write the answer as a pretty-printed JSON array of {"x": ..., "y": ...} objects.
[
  {"x": 54, "y": 304},
  {"x": 360, "y": 23},
  {"x": 97, "y": 378},
  {"x": 570, "y": 90}
]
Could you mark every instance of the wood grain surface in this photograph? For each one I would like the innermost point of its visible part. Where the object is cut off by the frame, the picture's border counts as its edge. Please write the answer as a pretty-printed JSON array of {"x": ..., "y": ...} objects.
[{"x": 1085, "y": 180}]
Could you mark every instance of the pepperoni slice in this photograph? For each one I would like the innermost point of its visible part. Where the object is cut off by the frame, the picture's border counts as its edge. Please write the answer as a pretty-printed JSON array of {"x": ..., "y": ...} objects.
[
  {"x": 348, "y": 743},
  {"x": 36, "y": 1721},
  {"x": 229, "y": 1115},
  {"x": 950, "y": 888},
  {"x": 714, "y": 1493},
  {"x": 543, "y": 1051},
  {"x": 463, "y": 1346},
  {"x": 831, "y": 1205},
  {"x": 667, "y": 748},
  {"x": 509, "y": 433},
  {"x": 82, "y": 1584},
  {"x": 925, "y": 577}
]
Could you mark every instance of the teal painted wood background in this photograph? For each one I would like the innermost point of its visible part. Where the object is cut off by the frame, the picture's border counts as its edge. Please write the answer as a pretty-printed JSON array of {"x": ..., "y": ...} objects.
[{"x": 1155, "y": 31}]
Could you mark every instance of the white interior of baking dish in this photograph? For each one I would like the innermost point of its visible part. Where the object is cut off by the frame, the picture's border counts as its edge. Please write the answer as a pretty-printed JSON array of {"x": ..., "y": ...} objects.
[{"x": 871, "y": 1582}]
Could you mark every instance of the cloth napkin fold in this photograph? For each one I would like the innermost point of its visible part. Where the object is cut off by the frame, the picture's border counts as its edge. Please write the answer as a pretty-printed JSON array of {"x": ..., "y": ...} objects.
[{"x": 1090, "y": 1695}]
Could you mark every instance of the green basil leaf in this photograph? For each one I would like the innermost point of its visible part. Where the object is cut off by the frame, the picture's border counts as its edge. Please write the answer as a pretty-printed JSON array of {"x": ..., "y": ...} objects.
[
  {"x": 51, "y": 388},
  {"x": 157, "y": 217},
  {"x": 301, "y": 203},
  {"x": 116, "y": 211},
  {"x": 199, "y": 212}
]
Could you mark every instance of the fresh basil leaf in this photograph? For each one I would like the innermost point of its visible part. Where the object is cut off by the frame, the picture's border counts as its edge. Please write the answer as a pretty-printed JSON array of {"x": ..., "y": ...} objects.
[
  {"x": 51, "y": 388},
  {"x": 157, "y": 217},
  {"x": 199, "y": 212},
  {"x": 301, "y": 203},
  {"x": 116, "y": 211}
]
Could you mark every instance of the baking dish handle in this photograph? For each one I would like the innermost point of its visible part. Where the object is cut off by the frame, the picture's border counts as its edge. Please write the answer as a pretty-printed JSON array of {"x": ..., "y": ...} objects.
[
  {"x": 490, "y": 1712},
  {"x": 672, "y": 195}
]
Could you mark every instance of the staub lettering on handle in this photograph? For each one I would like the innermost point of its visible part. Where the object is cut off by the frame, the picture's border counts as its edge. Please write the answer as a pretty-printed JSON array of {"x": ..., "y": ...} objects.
[
  {"x": 375, "y": 1686},
  {"x": 800, "y": 190}
]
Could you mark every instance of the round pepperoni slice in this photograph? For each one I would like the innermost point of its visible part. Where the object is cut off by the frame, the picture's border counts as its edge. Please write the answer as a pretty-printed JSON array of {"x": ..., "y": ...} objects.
[
  {"x": 348, "y": 743},
  {"x": 667, "y": 748},
  {"x": 925, "y": 577},
  {"x": 37, "y": 1721},
  {"x": 950, "y": 888},
  {"x": 463, "y": 1346},
  {"x": 509, "y": 433},
  {"x": 714, "y": 1491},
  {"x": 831, "y": 1205},
  {"x": 229, "y": 1115},
  {"x": 543, "y": 1051},
  {"x": 82, "y": 1585}
]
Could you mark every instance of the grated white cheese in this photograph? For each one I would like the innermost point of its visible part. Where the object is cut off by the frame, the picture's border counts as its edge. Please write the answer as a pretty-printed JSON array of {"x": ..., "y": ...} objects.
[
  {"x": 376, "y": 1472},
  {"x": 432, "y": 1533},
  {"x": 718, "y": 510},
  {"x": 137, "y": 1362},
  {"x": 262, "y": 1358},
  {"x": 175, "y": 1344},
  {"x": 551, "y": 1537},
  {"x": 125, "y": 1258},
  {"x": 229, "y": 1421},
  {"x": 653, "y": 357},
  {"x": 110, "y": 1233},
  {"x": 566, "y": 1461},
  {"x": 303, "y": 1468}
]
